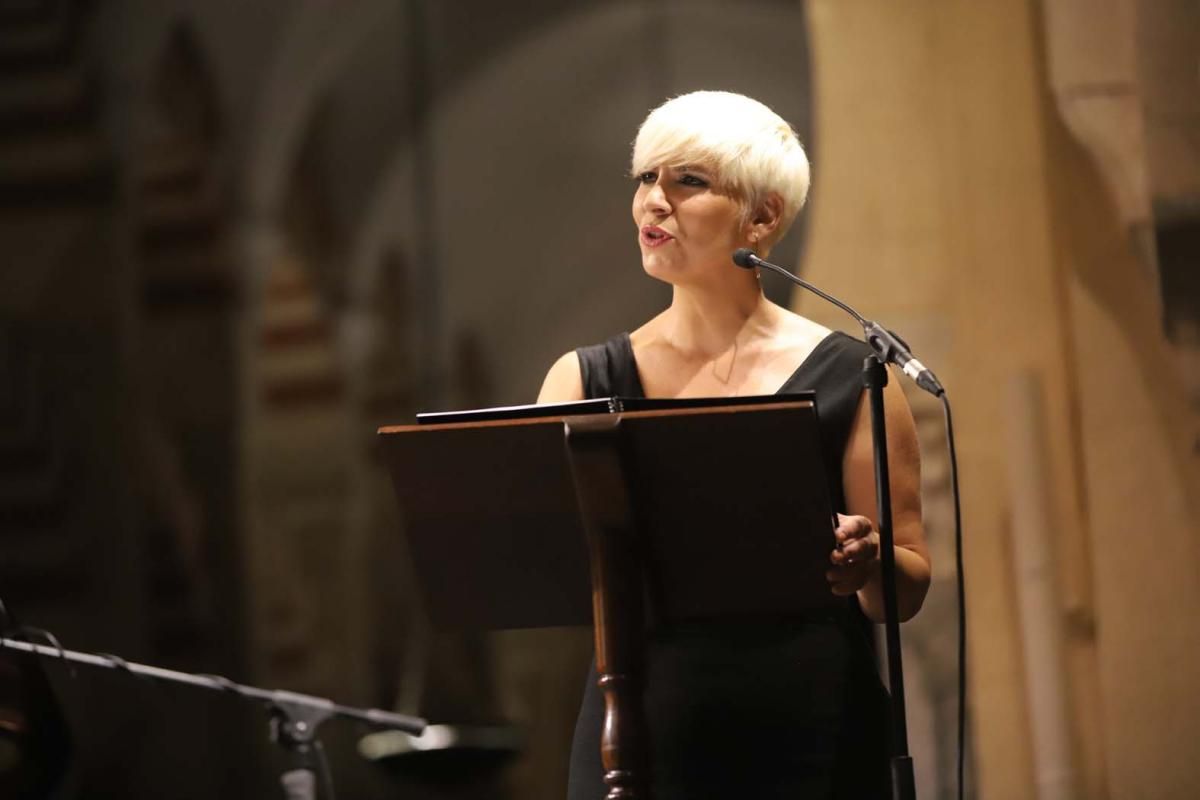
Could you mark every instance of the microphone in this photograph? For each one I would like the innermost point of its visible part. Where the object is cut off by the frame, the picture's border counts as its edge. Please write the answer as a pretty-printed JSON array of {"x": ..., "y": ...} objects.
[{"x": 889, "y": 347}]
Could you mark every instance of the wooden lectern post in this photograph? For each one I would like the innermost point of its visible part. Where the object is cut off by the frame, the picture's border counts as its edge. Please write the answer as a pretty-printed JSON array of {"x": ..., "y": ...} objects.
[{"x": 597, "y": 469}]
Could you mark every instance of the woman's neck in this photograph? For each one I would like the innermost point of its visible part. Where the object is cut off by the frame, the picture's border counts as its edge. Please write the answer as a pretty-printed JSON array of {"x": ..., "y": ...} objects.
[{"x": 703, "y": 322}]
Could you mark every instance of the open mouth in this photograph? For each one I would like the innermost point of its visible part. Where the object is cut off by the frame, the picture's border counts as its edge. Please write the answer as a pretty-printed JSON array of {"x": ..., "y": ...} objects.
[{"x": 654, "y": 237}]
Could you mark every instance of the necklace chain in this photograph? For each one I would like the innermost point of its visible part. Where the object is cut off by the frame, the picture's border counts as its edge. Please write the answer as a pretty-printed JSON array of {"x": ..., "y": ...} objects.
[{"x": 729, "y": 372}]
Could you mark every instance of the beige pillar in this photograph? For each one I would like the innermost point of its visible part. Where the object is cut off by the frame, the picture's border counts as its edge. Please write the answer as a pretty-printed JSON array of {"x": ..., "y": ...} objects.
[
  {"x": 1138, "y": 434},
  {"x": 1031, "y": 493},
  {"x": 931, "y": 211}
]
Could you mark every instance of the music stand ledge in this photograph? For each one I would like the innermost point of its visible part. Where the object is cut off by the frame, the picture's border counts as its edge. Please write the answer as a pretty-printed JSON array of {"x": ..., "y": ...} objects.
[{"x": 619, "y": 520}]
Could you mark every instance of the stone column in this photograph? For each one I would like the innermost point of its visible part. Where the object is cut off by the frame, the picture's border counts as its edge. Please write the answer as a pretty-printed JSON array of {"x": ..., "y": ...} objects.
[{"x": 931, "y": 211}]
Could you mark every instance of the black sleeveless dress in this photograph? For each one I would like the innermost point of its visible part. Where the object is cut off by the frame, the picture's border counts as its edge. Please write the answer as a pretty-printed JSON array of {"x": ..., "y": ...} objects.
[{"x": 763, "y": 710}]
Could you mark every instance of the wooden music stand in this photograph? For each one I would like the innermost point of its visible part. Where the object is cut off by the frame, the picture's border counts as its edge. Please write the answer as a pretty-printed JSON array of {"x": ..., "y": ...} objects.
[{"x": 658, "y": 515}]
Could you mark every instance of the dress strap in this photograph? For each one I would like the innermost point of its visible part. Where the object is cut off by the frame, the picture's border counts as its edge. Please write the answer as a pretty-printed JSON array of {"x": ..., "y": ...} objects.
[
  {"x": 834, "y": 372},
  {"x": 608, "y": 369}
]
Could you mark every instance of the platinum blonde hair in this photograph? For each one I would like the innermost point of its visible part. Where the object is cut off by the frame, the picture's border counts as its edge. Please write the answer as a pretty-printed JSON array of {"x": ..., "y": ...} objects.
[{"x": 751, "y": 149}]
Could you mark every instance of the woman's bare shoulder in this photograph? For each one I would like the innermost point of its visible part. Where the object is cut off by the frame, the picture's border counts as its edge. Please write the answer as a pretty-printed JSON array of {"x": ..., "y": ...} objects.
[
  {"x": 799, "y": 334},
  {"x": 563, "y": 383}
]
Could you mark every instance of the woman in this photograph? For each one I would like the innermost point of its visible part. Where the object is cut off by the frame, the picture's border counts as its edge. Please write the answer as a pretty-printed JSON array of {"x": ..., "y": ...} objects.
[{"x": 795, "y": 709}]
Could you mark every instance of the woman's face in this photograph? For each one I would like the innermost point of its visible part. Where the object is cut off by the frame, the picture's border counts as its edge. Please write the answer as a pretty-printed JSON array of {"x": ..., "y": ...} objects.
[{"x": 687, "y": 228}]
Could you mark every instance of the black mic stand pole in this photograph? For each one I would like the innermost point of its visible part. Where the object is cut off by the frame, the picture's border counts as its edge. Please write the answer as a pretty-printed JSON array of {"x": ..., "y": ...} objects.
[
  {"x": 888, "y": 348},
  {"x": 294, "y": 717},
  {"x": 875, "y": 377}
]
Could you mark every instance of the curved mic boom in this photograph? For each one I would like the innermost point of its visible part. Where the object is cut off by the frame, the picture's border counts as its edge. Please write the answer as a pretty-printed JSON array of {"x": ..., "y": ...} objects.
[{"x": 887, "y": 345}]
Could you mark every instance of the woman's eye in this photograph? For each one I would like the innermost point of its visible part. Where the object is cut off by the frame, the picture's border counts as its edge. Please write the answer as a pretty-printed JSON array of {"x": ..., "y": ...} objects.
[
  {"x": 692, "y": 180},
  {"x": 647, "y": 177}
]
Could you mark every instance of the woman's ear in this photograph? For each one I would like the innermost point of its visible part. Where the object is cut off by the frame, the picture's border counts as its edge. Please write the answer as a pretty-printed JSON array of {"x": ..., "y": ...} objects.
[{"x": 766, "y": 217}]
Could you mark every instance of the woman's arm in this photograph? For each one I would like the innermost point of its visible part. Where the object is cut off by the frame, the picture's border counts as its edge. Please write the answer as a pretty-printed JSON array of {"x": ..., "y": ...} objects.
[
  {"x": 857, "y": 567},
  {"x": 563, "y": 382}
]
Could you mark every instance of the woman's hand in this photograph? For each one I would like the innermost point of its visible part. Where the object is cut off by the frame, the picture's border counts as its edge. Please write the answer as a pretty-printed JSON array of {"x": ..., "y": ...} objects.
[{"x": 856, "y": 558}]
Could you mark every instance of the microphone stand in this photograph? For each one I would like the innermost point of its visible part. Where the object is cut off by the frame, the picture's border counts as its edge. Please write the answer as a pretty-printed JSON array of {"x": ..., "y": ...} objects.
[
  {"x": 294, "y": 718},
  {"x": 888, "y": 348},
  {"x": 903, "y": 781}
]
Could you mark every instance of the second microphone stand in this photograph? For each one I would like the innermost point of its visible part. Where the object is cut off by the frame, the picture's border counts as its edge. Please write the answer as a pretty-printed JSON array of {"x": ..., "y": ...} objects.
[{"x": 294, "y": 720}]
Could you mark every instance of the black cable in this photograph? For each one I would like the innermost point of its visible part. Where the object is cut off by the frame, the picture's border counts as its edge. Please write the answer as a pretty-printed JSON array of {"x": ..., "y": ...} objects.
[
  {"x": 962, "y": 598},
  {"x": 119, "y": 664},
  {"x": 323, "y": 769},
  {"x": 26, "y": 633}
]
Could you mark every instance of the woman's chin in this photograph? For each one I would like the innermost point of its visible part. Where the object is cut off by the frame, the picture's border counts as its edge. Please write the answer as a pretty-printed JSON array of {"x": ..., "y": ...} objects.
[{"x": 661, "y": 268}]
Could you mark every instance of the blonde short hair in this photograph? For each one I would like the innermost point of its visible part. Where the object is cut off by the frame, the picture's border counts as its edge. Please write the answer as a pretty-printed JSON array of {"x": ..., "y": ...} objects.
[{"x": 752, "y": 151}]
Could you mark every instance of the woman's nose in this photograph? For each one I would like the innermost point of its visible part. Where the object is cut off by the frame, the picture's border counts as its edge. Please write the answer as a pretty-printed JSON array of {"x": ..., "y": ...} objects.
[{"x": 656, "y": 200}]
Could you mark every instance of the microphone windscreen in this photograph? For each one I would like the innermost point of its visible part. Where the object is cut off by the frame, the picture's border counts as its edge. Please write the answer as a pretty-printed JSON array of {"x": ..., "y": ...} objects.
[{"x": 744, "y": 257}]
